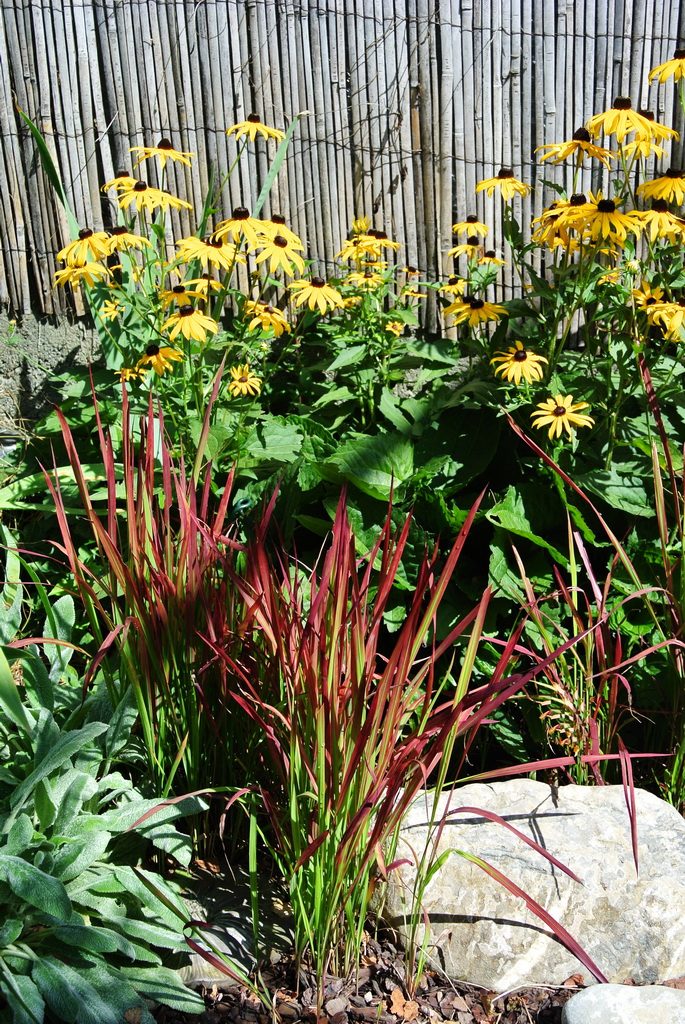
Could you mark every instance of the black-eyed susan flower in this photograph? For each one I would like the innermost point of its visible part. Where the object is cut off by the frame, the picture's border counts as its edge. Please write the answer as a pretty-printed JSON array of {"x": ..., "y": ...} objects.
[
  {"x": 453, "y": 286},
  {"x": 191, "y": 323},
  {"x": 367, "y": 279},
  {"x": 279, "y": 254},
  {"x": 643, "y": 145},
  {"x": 621, "y": 119},
  {"x": 180, "y": 295},
  {"x": 317, "y": 294},
  {"x": 110, "y": 310},
  {"x": 646, "y": 296},
  {"x": 160, "y": 359},
  {"x": 507, "y": 184},
  {"x": 277, "y": 226},
  {"x": 382, "y": 238},
  {"x": 209, "y": 250},
  {"x": 603, "y": 220},
  {"x": 90, "y": 245},
  {"x": 202, "y": 286},
  {"x": 122, "y": 181},
  {"x": 144, "y": 197},
  {"x": 490, "y": 258},
  {"x": 131, "y": 373},
  {"x": 675, "y": 66},
  {"x": 410, "y": 271},
  {"x": 471, "y": 247},
  {"x": 470, "y": 226},
  {"x": 361, "y": 225},
  {"x": 243, "y": 381},
  {"x": 89, "y": 272},
  {"x": 659, "y": 222},
  {"x": 474, "y": 311},
  {"x": 394, "y": 327},
  {"x": 359, "y": 248},
  {"x": 670, "y": 316},
  {"x": 266, "y": 317},
  {"x": 411, "y": 293},
  {"x": 240, "y": 225},
  {"x": 561, "y": 413},
  {"x": 252, "y": 127},
  {"x": 519, "y": 362},
  {"x": 579, "y": 146},
  {"x": 670, "y": 186},
  {"x": 121, "y": 238},
  {"x": 163, "y": 151}
]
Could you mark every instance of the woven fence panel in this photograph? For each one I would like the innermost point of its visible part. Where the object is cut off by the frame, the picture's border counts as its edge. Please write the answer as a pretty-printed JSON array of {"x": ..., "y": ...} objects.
[{"x": 408, "y": 105}]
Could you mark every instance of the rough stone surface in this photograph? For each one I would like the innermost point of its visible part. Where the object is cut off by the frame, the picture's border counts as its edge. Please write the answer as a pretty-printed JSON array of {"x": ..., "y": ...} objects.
[
  {"x": 621, "y": 1004},
  {"x": 631, "y": 926}
]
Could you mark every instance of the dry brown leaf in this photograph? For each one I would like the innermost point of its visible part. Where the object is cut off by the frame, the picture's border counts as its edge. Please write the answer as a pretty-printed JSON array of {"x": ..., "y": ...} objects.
[
  {"x": 575, "y": 979},
  {"x": 411, "y": 1010},
  {"x": 134, "y": 1015},
  {"x": 397, "y": 1002},
  {"x": 675, "y": 983}
]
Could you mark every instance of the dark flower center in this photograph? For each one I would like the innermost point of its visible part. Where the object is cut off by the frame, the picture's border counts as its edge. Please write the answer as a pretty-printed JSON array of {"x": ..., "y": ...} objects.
[
  {"x": 476, "y": 303},
  {"x": 140, "y": 186},
  {"x": 269, "y": 309},
  {"x": 472, "y": 219},
  {"x": 242, "y": 380},
  {"x": 506, "y": 172},
  {"x": 673, "y": 172},
  {"x": 490, "y": 254},
  {"x": 278, "y": 218},
  {"x": 650, "y": 301},
  {"x": 381, "y": 234},
  {"x": 253, "y": 118},
  {"x": 622, "y": 103},
  {"x": 577, "y": 199},
  {"x": 560, "y": 410},
  {"x": 85, "y": 233},
  {"x": 606, "y": 206},
  {"x": 582, "y": 135},
  {"x": 660, "y": 205},
  {"x": 216, "y": 243},
  {"x": 317, "y": 282},
  {"x": 411, "y": 270},
  {"x": 453, "y": 280},
  {"x": 374, "y": 233},
  {"x": 152, "y": 350},
  {"x": 164, "y": 144},
  {"x": 520, "y": 355},
  {"x": 647, "y": 114},
  {"x": 280, "y": 241},
  {"x": 472, "y": 240},
  {"x": 178, "y": 289},
  {"x": 120, "y": 230},
  {"x": 679, "y": 55},
  {"x": 186, "y": 310},
  {"x": 240, "y": 213}
]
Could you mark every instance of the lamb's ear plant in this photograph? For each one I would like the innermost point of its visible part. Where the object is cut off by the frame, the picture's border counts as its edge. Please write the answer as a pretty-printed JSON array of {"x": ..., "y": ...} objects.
[{"x": 83, "y": 929}]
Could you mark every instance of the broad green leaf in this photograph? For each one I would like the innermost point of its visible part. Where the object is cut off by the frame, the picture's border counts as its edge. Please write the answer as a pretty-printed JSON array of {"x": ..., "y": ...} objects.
[
  {"x": 10, "y": 930},
  {"x": 81, "y": 788},
  {"x": 164, "y": 986},
  {"x": 622, "y": 490},
  {"x": 37, "y": 686},
  {"x": 19, "y": 836},
  {"x": 347, "y": 357},
  {"x": 70, "y": 996},
  {"x": 75, "y": 857},
  {"x": 119, "y": 993},
  {"x": 23, "y": 997},
  {"x": 136, "y": 886},
  {"x": 121, "y": 723},
  {"x": 342, "y": 394},
  {"x": 10, "y": 701},
  {"x": 512, "y": 515},
  {"x": 95, "y": 939},
  {"x": 51, "y": 171},
  {"x": 275, "y": 440},
  {"x": 150, "y": 933},
  {"x": 35, "y": 887},
  {"x": 376, "y": 464},
  {"x": 390, "y": 407},
  {"x": 12, "y": 591},
  {"x": 44, "y": 805},
  {"x": 59, "y": 625}
]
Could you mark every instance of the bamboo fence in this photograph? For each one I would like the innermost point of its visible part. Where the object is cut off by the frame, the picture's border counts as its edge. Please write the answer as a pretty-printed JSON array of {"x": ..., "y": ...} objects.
[{"x": 406, "y": 105}]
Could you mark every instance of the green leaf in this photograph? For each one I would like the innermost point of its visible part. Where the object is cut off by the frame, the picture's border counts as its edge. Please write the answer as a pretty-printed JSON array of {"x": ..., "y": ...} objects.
[
  {"x": 70, "y": 996},
  {"x": 19, "y": 836},
  {"x": 10, "y": 930},
  {"x": 376, "y": 464},
  {"x": 623, "y": 490},
  {"x": 164, "y": 986},
  {"x": 59, "y": 625},
  {"x": 94, "y": 939},
  {"x": 80, "y": 789},
  {"x": 121, "y": 723},
  {"x": 10, "y": 701},
  {"x": 44, "y": 805},
  {"x": 76, "y": 857},
  {"x": 37, "y": 685},
  {"x": 275, "y": 440},
  {"x": 23, "y": 998},
  {"x": 347, "y": 357},
  {"x": 51, "y": 171},
  {"x": 512, "y": 515},
  {"x": 389, "y": 405},
  {"x": 35, "y": 887}
]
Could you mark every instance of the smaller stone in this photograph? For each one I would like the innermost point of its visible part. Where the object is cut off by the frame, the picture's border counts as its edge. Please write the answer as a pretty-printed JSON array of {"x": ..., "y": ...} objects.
[
  {"x": 338, "y": 1005},
  {"x": 618, "y": 1004}
]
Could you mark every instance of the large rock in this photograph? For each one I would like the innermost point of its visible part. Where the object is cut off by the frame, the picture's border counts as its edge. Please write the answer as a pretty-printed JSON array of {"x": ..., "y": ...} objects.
[
  {"x": 632, "y": 926},
  {"x": 621, "y": 1004}
]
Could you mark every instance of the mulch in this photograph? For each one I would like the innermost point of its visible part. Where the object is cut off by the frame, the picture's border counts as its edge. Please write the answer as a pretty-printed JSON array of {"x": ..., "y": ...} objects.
[{"x": 378, "y": 994}]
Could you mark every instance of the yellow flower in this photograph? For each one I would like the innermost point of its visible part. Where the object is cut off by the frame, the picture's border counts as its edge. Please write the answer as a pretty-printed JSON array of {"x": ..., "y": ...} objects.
[
  {"x": 580, "y": 146},
  {"x": 360, "y": 225},
  {"x": 279, "y": 254},
  {"x": 90, "y": 245},
  {"x": 455, "y": 286},
  {"x": 471, "y": 247},
  {"x": 621, "y": 119},
  {"x": 675, "y": 66},
  {"x": 474, "y": 310},
  {"x": 110, "y": 310},
  {"x": 243, "y": 381},
  {"x": 409, "y": 271},
  {"x": 411, "y": 293},
  {"x": 490, "y": 257},
  {"x": 121, "y": 182},
  {"x": 506, "y": 183},
  {"x": 351, "y": 301},
  {"x": 519, "y": 362},
  {"x": 382, "y": 239},
  {"x": 643, "y": 146},
  {"x": 179, "y": 294},
  {"x": 317, "y": 294},
  {"x": 611, "y": 277},
  {"x": 202, "y": 286},
  {"x": 395, "y": 327},
  {"x": 670, "y": 316},
  {"x": 241, "y": 225},
  {"x": 277, "y": 226},
  {"x": 603, "y": 220},
  {"x": 359, "y": 247},
  {"x": 121, "y": 238},
  {"x": 660, "y": 222},
  {"x": 670, "y": 186},
  {"x": 366, "y": 280},
  {"x": 159, "y": 358},
  {"x": 164, "y": 151},
  {"x": 144, "y": 197},
  {"x": 131, "y": 373},
  {"x": 209, "y": 250},
  {"x": 251, "y": 127},
  {"x": 559, "y": 413},
  {"x": 470, "y": 226},
  {"x": 646, "y": 296},
  {"x": 88, "y": 272},
  {"x": 267, "y": 317},
  {"x": 190, "y": 323}
]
